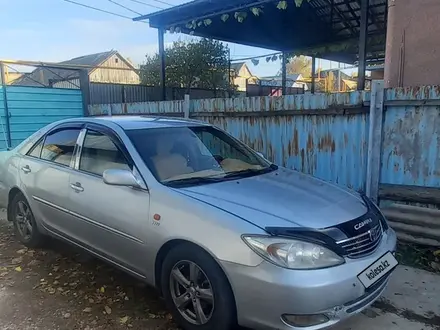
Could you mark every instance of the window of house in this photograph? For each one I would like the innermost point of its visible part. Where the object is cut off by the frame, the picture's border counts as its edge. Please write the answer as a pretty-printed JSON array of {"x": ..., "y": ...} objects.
[
  {"x": 99, "y": 153},
  {"x": 59, "y": 145},
  {"x": 116, "y": 60}
]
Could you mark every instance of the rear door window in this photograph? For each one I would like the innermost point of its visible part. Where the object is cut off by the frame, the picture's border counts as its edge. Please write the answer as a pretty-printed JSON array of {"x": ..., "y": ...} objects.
[{"x": 59, "y": 146}]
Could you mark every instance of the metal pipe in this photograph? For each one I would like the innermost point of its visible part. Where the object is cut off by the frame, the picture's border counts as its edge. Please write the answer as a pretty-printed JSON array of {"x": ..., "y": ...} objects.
[
  {"x": 5, "y": 104},
  {"x": 363, "y": 44},
  {"x": 283, "y": 73},
  {"x": 161, "y": 33},
  {"x": 313, "y": 74}
]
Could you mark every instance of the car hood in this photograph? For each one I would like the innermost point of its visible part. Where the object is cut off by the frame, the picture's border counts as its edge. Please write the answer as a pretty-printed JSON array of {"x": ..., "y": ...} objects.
[{"x": 283, "y": 198}]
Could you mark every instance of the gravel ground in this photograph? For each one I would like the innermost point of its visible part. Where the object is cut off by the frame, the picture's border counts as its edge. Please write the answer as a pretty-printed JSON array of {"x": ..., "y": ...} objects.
[{"x": 60, "y": 287}]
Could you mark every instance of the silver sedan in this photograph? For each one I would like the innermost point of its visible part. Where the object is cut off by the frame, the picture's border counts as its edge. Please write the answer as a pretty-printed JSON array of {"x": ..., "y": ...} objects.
[{"x": 226, "y": 236}]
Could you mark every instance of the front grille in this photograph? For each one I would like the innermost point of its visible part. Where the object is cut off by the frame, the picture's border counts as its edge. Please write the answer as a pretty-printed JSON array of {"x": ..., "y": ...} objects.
[{"x": 363, "y": 244}]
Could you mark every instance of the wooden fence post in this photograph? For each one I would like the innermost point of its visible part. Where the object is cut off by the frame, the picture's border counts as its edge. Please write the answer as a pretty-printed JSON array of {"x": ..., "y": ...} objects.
[
  {"x": 375, "y": 139},
  {"x": 186, "y": 105}
]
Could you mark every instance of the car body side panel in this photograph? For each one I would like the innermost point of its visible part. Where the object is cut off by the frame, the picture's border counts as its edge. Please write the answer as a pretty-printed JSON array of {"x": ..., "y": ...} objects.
[
  {"x": 112, "y": 220},
  {"x": 9, "y": 174},
  {"x": 46, "y": 188},
  {"x": 192, "y": 221}
]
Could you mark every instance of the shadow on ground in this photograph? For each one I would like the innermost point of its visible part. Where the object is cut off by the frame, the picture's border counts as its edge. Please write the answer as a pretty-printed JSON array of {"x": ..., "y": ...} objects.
[{"x": 60, "y": 287}]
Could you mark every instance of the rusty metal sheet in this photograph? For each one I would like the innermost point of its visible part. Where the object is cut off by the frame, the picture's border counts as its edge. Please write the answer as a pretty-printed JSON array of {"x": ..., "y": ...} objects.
[
  {"x": 333, "y": 148},
  {"x": 411, "y": 146}
]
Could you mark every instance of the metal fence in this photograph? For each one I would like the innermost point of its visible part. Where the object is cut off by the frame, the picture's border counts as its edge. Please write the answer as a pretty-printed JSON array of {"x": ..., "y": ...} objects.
[{"x": 385, "y": 142}]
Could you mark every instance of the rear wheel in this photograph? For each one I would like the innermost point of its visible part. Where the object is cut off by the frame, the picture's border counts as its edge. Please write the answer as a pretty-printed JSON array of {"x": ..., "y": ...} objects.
[
  {"x": 24, "y": 222},
  {"x": 196, "y": 290}
]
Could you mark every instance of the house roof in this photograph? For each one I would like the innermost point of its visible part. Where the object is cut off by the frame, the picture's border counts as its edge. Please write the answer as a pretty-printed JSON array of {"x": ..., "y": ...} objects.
[
  {"x": 237, "y": 66},
  {"x": 289, "y": 77},
  {"x": 314, "y": 28},
  {"x": 43, "y": 76}
]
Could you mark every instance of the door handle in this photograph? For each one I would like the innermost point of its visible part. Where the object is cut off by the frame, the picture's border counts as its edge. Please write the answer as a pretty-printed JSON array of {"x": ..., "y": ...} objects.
[
  {"x": 77, "y": 187},
  {"x": 26, "y": 169}
]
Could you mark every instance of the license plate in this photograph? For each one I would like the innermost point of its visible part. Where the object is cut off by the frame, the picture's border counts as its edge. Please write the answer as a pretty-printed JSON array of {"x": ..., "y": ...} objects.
[{"x": 378, "y": 269}]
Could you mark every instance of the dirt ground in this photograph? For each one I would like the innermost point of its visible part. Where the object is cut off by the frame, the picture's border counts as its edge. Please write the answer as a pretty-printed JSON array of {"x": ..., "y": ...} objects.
[{"x": 60, "y": 287}]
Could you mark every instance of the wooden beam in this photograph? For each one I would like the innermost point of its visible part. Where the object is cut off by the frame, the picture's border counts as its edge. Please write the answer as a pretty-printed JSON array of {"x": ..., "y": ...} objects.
[
  {"x": 337, "y": 111},
  {"x": 412, "y": 194}
]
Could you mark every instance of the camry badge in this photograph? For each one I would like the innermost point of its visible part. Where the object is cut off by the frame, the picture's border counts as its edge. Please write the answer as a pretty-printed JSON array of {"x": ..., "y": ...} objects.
[{"x": 363, "y": 223}]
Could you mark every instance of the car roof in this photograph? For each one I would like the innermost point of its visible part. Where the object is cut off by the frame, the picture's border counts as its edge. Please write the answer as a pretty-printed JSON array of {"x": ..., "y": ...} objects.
[{"x": 141, "y": 122}]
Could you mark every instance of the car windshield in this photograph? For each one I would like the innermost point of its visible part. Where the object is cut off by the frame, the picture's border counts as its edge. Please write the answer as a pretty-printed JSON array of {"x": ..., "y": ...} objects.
[{"x": 195, "y": 155}]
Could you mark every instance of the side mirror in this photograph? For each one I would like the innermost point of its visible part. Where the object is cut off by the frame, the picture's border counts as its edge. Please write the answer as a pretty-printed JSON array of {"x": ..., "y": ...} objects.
[{"x": 120, "y": 178}]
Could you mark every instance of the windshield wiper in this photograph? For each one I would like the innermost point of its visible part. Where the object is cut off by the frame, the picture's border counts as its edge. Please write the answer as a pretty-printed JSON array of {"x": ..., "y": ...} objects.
[
  {"x": 251, "y": 171},
  {"x": 193, "y": 181}
]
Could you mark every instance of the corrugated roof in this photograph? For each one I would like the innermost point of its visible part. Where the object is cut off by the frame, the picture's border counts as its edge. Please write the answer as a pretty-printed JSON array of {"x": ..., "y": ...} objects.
[
  {"x": 315, "y": 24},
  {"x": 289, "y": 77},
  {"x": 44, "y": 76}
]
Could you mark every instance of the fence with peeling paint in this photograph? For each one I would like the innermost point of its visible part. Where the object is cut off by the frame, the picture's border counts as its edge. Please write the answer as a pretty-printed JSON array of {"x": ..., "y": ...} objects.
[{"x": 325, "y": 135}]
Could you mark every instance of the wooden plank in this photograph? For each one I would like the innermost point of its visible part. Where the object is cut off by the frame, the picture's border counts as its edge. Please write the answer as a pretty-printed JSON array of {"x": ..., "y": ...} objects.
[
  {"x": 414, "y": 103},
  {"x": 375, "y": 140},
  {"x": 337, "y": 111},
  {"x": 156, "y": 114},
  {"x": 413, "y": 194}
]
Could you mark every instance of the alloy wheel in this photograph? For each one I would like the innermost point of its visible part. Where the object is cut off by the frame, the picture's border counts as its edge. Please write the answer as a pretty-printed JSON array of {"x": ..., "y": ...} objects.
[
  {"x": 192, "y": 292},
  {"x": 23, "y": 217}
]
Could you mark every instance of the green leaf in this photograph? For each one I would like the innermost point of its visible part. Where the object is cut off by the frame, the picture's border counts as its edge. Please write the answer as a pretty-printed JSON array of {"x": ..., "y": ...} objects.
[
  {"x": 199, "y": 23},
  {"x": 188, "y": 25},
  {"x": 207, "y": 22},
  {"x": 240, "y": 16},
  {"x": 224, "y": 17},
  {"x": 256, "y": 11},
  {"x": 282, "y": 5},
  {"x": 298, "y": 3}
]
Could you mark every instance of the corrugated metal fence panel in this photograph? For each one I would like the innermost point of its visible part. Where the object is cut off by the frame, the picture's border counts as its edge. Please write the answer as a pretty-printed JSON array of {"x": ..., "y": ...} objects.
[
  {"x": 71, "y": 84},
  {"x": 3, "y": 143},
  {"x": 31, "y": 108},
  {"x": 331, "y": 147},
  {"x": 105, "y": 93},
  {"x": 167, "y": 107},
  {"x": 288, "y": 102},
  {"x": 411, "y": 138}
]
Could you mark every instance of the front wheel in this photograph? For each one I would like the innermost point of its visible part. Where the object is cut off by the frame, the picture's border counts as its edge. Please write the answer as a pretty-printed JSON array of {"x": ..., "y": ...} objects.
[
  {"x": 24, "y": 222},
  {"x": 196, "y": 290}
]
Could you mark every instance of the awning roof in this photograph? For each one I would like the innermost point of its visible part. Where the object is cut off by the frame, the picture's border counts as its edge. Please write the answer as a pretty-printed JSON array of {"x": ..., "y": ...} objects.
[{"x": 324, "y": 28}]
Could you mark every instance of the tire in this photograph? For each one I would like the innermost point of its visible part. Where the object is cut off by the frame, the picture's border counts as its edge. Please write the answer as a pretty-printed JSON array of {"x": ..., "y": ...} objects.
[
  {"x": 222, "y": 314},
  {"x": 25, "y": 227}
]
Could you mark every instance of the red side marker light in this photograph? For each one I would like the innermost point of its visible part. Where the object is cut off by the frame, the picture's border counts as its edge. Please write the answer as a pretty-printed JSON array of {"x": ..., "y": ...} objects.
[{"x": 156, "y": 217}]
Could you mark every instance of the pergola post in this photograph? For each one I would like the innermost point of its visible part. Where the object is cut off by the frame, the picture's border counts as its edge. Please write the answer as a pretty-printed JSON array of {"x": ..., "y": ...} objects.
[
  {"x": 313, "y": 75},
  {"x": 284, "y": 73},
  {"x": 363, "y": 44},
  {"x": 161, "y": 33}
]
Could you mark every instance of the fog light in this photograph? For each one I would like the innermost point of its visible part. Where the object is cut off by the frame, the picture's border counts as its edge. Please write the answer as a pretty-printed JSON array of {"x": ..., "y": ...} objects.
[{"x": 304, "y": 320}]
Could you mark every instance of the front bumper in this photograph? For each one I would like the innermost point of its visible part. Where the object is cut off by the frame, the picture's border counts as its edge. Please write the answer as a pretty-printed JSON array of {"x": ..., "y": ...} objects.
[{"x": 266, "y": 292}]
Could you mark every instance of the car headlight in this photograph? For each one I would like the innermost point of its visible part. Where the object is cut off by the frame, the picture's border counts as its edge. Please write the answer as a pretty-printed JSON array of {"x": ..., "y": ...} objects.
[{"x": 292, "y": 253}]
